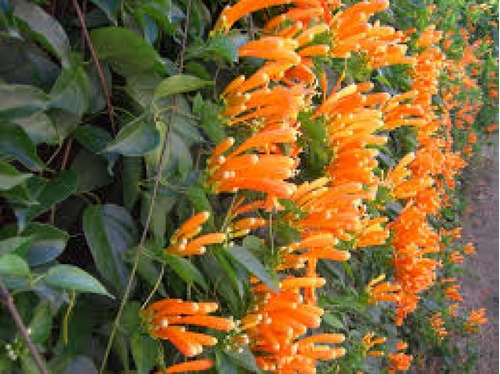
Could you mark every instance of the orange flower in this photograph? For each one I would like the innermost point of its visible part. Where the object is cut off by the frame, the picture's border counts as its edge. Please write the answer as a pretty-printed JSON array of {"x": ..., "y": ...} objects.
[
  {"x": 399, "y": 361},
  {"x": 231, "y": 14},
  {"x": 195, "y": 365},
  {"x": 469, "y": 249},
  {"x": 452, "y": 310},
  {"x": 429, "y": 37},
  {"x": 369, "y": 342},
  {"x": 452, "y": 293},
  {"x": 382, "y": 291},
  {"x": 437, "y": 325},
  {"x": 475, "y": 319},
  {"x": 183, "y": 242},
  {"x": 164, "y": 316},
  {"x": 272, "y": 48},
  {"x": 373, "y": 233},
  {"x": 277, "y": 322},
  {"x": 456, "y": 257},
  {"x": 255, "y": 171}
]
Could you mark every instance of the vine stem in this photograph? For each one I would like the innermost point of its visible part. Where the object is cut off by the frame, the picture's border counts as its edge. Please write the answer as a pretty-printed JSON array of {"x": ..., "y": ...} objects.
[
  {"x": 93, "y": 54},
  {"x": 158, "y": 178},
  {"x": 155, "y": 287},
  {"x": 6, "y": 298}
]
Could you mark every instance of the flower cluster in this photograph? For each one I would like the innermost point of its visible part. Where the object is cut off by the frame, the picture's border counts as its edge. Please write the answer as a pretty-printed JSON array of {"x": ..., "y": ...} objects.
[
  {"x": 168, "y": 318},
  {"x": 335, "y": 215}
]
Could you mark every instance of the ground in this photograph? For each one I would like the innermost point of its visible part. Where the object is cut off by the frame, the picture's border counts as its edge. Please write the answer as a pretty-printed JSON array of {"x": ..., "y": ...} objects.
[{"x": 481, "y": 227}]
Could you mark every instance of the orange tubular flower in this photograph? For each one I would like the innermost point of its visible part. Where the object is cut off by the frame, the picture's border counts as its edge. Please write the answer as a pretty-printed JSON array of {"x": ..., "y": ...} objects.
[
  {"x": 310, "y": 249},
  {"x": 413, "y": 240},
  {"x": 382, "y": 291},
  {"x": 195, "y": 365},
  {"x": 429, "y": 37},
  {"x": 164, "y": 317},
  {"x": 373, "y": 233},
  {"x": 452, "y": 293},
  {"x": 277, "y": 322},
  {"x": 437, "y": 325},
  {"x": 399, "y": 361},
  {"x": 469, "y": 249},
  {"x": 369, "y": 342},
  {"x": 264, "y": 172},
  {"x": 456, "y": 257},
  {"x": 475, "y": 319},
  {"x": 272, "y": 48},
  {"x": 183, "y": 242},
  {"x": 452, "y": 310}
]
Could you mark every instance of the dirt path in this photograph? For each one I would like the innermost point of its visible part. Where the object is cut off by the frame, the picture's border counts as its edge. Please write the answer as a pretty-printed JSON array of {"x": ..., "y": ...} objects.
[{"x": 481, "y": 227}]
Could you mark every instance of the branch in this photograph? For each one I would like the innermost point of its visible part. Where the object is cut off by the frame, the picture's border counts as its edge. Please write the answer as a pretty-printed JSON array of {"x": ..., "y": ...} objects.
[
  {"x": 11, "y": 307},
  {"x": 158, "y": 178},
  {"x": 105, "y": 91}
]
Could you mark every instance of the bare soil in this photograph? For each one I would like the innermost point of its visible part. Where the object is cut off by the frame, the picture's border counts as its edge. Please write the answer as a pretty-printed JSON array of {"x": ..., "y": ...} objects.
[{"x": 481, "y": 227}]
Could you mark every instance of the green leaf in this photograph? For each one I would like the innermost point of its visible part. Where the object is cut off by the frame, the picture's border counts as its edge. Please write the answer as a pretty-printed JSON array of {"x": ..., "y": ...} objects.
[
  {"x": 131, "y": 318},
  {"x": 73, "y": 278},
  {"x": 121, "y": 348},
  {"x": 224, "y": 364},
  {"x": 71, "y": 91},
  {"x": 11, "y": 264},
  {"x": 110, "y": 7},
  {"x": 97, "y": 100},
  {"x": 81, "y": 326},
  {"x": 179, "y": 154},
  {"x": 41, "y": 323},
  {"x": 333, "y": 321},
  {"x": 110, "y": 230},
  {"x": 92, "y": 171},
  {"x": 185, "y": 127},
  {"x": 214, "y": 271},
  {"x": 225, "y": 47},
  {"x": 146, "y": 268},
  {"x": 93, "y": 138},
  {"x": 255, "y": 244},
  {"x": 135, "y": 139},
  {"x": 186, "y": 270},
  {"x": 18, "y": 195},
  {"x": 244, "y": 359},
  {"x": 48, "y": 193},
  {"x": 40, "y": 128},
  {"x": 164, "y": 203},
  {"x": 179, "y": 83},
  {"x": 148, "y": 271},
  {"x": 199, "y": 199},
  {"x": 291, "y": 207},
  {"x": 144, "y": 352},
  {"x": 10, "y": 176},
  {"x": 28, "y": 366},
  {"x": 132, "y": 171},
  {"x": 14, "y": 142},
  {"x": 13, "y": 244},
  {"x": 209, "y": 118},
  {"x": 21, "y": 100},
  {"x": 253, "y": 265},
  {"x": 64, "y": 122},
  {"x": 127, "y": 53},
  {"x": 45, "y": 28},
  {"x": 46, "y": 243}
]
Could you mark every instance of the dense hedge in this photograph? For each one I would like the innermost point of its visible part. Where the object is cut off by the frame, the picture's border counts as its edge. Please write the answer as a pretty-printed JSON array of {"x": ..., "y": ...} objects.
[{"x": 264, "y": 186}]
